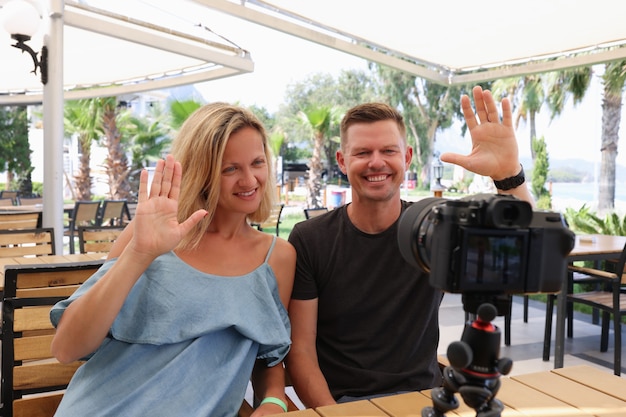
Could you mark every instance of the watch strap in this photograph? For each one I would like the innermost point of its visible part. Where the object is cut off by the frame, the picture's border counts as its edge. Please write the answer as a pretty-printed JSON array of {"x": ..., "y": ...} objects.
[{"x": 511, "y": 182}]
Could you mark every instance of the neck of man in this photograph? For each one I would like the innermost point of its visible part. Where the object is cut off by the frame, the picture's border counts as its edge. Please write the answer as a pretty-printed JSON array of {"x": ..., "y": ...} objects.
[{"x": 370, "y": 216}]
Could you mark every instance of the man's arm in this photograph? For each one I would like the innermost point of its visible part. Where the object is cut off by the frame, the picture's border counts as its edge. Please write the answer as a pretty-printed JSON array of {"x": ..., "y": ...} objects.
[{"x": 302, "y": 364}]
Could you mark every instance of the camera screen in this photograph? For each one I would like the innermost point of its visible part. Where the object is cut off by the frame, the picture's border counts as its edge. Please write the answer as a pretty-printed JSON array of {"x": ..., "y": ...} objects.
[{"x": 493, "y": 260}]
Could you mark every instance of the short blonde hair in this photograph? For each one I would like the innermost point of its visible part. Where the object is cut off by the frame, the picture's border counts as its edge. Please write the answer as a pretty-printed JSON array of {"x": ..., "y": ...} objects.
[{"x": 199, "y": 147}]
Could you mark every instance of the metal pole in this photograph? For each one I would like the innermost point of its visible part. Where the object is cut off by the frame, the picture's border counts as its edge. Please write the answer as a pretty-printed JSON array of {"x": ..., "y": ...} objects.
[{"x": 53, "y": 124}]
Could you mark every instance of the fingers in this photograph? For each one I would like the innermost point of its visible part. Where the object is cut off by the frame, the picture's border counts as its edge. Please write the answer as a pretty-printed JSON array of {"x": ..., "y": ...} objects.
[
  {"x": 457, "y": 159},
  {"x": 486, "y": 109},
  {"x": 507, "y": 113},
  {"x": 176, "y": 180},
  {"x": 167, "y": 175},
  {"x": 193, "y": 220},
  {"x": 155, "y": 187},
  {"x": 143, "y": 186},
  {"x": 491, "y": 108},
  {"x": 468, "y": 113},
  {"x": 479, "y": 103}
]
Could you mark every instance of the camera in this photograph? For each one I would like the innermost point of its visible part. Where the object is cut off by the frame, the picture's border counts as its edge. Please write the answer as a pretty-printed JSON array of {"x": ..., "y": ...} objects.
[{"x": 489, "y": 244}]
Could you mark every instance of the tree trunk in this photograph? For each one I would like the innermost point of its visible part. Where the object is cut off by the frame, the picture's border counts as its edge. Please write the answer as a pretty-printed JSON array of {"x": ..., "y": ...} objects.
[
  {"x": 83, "y": 180},
  {"x": 314, "y": 183},
  {"x": 533, "y": 133},
  {"x": 611, "y": 117},
  {"x": 116, "y": 163}
]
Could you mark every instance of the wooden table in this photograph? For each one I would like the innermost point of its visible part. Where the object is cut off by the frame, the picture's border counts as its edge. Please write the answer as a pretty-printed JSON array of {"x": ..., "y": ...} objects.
[
  {"x": 49, "y": 259},
  {"x": 67, "y": 208},
  {"x": 587, "y": 248},
  {"x": 579, "y": 391}
]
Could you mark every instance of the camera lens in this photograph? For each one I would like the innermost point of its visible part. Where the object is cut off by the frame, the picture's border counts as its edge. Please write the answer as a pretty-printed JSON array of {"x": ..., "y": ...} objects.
[{"x": 415, "y": 232}]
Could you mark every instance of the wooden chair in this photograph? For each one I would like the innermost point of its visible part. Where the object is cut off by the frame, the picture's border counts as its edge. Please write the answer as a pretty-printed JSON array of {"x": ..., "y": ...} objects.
[
  {"x": 130, "y": 212},
  {"x": 314, "y": 212},
  {"x": 29, "y": 201},
  {"x": 273, "y": 221},
  {"x": 12, "y": 194},
  {"x": 609, "y": 299},
  {"x": 6, "y": 201},
  {"x": 112, "y": 213},
  {"x": 27, "y": 242},
  {"x": 97, "y": 239},
  {"x": 26, "y": 220},
  {"x": 32, "y": 380},
  {"x": 85, "y": 213}
]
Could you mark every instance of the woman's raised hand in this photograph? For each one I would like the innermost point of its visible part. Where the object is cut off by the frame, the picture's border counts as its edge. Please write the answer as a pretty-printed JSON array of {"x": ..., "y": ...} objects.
[{"x": 157, "y": 229}]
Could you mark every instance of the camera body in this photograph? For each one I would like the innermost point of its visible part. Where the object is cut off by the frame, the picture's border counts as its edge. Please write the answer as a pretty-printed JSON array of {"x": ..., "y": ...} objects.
[{"x": 486, "y": 244}]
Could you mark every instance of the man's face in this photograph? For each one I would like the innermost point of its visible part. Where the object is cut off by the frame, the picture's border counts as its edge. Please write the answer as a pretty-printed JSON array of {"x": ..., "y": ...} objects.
[{"x": 375, "y": 159}]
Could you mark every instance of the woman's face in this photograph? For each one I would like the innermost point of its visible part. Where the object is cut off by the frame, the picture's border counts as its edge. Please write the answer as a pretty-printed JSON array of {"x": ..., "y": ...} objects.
[{"x": 244, "y": 172}]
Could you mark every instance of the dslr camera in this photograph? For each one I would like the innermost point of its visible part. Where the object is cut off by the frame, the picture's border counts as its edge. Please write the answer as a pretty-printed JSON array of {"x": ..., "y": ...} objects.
[{"x": 486, "y": 245}]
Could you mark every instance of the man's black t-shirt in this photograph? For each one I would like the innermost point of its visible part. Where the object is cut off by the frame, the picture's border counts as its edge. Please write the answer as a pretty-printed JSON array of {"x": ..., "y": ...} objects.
[{"x": 378, "y": 326}]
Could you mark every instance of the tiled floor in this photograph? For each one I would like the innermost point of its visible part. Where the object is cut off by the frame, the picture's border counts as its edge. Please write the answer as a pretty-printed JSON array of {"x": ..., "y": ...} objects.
[{"x": 527, "y": 338}]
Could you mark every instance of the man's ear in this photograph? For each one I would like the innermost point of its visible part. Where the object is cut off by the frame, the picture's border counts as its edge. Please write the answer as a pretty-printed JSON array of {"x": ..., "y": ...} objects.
[
  {"x": 408, "y": 157},
  {"x": 341, "y": 162}
]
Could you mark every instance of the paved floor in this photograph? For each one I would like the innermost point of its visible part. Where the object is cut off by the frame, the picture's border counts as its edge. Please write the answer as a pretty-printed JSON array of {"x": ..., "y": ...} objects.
[{"x": 527, "y": 338}]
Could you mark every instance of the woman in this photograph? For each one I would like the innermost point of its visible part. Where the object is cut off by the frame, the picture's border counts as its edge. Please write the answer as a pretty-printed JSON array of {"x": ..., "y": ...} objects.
[{"x": 191, "y": 296}]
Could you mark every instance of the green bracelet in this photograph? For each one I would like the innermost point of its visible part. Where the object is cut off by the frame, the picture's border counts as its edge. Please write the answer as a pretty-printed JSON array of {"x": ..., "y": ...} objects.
[{"x": 274, "y": 400}]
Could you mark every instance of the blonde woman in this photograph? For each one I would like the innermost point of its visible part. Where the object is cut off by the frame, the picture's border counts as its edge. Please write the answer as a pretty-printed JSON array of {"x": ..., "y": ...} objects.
[{"x": 191, "y": 298}]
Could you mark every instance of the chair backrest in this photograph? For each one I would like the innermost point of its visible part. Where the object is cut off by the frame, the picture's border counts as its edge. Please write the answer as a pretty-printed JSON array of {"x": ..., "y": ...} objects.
[
  {"x": 29, "y": 201},
  {"x": 6, "y": 201},
  {"x": 12, "y": 194},
  {"x": 85, "y": 213},
  {"x": 27, "y": 242},
  {"x": 97, "y": 239},
  {"x": 314, "y": 212},
  {"x": 112, "y": 212},
  {"x": 27, "y": 364},
  {"x": 26, "y": 220},
  {"x": 130, "y": 211},
  {"x": 273, "y": 221}
]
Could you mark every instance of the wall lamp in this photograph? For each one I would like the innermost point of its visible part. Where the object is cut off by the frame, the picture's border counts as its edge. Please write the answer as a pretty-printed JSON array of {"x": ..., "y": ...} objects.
[{"x": 21, "y": 20}]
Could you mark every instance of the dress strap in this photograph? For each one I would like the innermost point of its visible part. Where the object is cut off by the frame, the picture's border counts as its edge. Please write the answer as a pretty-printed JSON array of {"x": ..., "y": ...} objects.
[{"x": 269, "y": 252}]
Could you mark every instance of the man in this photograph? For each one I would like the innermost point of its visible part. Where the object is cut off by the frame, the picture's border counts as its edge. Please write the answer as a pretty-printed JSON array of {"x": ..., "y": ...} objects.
[{"x": 364, "y": 321}]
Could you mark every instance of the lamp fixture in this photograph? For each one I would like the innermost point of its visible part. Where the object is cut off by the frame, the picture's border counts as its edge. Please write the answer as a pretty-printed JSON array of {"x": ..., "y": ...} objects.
[
  {"x": 21, "y": 20},
  {"x": 437, "y": 167}
]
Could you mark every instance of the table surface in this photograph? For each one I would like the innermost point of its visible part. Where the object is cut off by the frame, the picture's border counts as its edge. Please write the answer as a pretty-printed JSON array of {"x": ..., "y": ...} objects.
[
  {"x": 593, "y": 247},
  {"x": 30, "y": 208},
  {"x": 49, "y": 259},
  {"x": 579, "y": 391}
]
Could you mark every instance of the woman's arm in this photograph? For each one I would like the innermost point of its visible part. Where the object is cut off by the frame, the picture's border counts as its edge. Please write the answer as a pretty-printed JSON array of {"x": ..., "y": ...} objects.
[{"x": 87, "y": 320}]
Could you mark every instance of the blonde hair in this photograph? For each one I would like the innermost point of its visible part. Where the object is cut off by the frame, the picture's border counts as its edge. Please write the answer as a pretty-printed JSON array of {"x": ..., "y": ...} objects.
[{"x": 199, "y": 147}]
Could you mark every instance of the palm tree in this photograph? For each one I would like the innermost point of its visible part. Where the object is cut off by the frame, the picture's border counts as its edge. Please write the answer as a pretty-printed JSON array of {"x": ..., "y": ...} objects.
[
  {"x": 320, "y": 120},
  {"x": 181, "y": 110},
  {"x": 83, "y": 118},
  {"x": 613, "y": 79},
  {"x": 149, "y": 139},
  {"x": 276, "y": 138},
  {"x": 116, "y": 163}
]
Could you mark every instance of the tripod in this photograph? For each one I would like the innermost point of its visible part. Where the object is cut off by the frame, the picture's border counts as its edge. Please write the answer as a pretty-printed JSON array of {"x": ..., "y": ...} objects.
[{"x": 474, "y": 370}]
